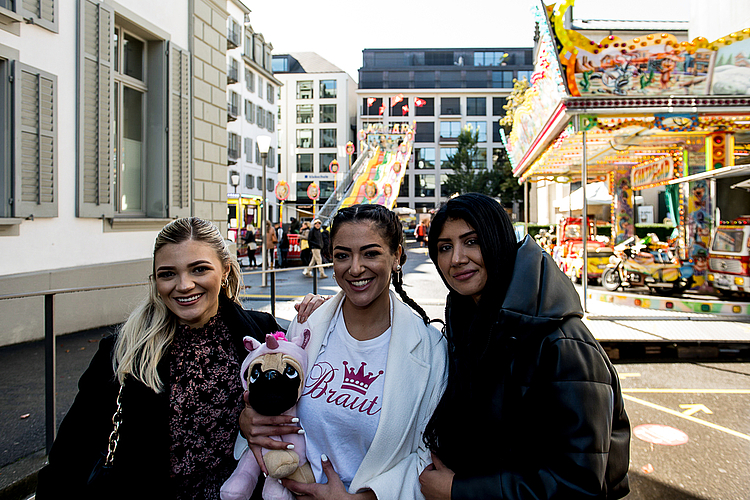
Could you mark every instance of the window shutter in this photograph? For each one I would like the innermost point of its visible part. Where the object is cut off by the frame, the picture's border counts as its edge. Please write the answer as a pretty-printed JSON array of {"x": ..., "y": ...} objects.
[
  {"x": 179, "y": 198},
  {"x": 95, "y": 36},
  {"x": 35, "y": 175},
  {"x": 43, "y": 12}
]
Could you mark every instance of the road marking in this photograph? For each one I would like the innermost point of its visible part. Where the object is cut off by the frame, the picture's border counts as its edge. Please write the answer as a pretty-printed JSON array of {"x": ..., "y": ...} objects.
[
  {"x": 694, "y": 408},
  {"x": 686, "y": 417},
  {"x": 629, "y": 375},
  {"x": 688, "y": 391}
]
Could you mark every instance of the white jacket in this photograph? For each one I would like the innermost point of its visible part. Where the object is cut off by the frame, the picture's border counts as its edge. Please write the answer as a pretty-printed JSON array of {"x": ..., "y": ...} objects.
[{"x": 415, "y": 379}]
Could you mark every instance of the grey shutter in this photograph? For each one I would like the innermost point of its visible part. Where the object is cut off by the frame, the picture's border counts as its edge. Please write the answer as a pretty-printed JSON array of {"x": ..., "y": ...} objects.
[
  {"x": 179, "y": 197},
  {"x": 95, "y": 159},
  {"x": 35, "y": 184},
  {"x": 43, "y": 12}
]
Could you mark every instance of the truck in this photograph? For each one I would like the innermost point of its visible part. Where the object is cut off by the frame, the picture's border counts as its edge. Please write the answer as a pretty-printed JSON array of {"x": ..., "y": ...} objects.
[
  {"x": 729, "y": 257},
  {"x": 569, "y": 250}
]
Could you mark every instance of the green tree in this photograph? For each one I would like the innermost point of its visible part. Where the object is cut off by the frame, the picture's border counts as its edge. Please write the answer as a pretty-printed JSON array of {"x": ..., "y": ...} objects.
[{"x": 472, "y": 176}]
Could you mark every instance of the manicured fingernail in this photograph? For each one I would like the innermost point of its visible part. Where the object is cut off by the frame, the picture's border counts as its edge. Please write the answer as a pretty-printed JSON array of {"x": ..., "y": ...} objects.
[
  {"x": 324, "y": 458},
  {"x": 301, "y": 431},
  {"x": 265, "y": 475},
  {"x": 290, "y": 447},
  {"x": 295, "y": 420}
]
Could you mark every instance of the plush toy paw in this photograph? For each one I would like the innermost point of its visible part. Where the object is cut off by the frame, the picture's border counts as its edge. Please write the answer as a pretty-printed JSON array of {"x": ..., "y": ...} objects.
[{"x": 281, "y": 463}]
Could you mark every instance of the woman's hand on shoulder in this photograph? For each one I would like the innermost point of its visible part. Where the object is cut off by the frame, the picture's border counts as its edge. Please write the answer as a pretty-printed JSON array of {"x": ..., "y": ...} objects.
[
  {"x": 333, "y": 490},
  {"x": 257, "y": 428},
  {"x": 309, "y": 304},
  {"x": 436, "y": 480}
]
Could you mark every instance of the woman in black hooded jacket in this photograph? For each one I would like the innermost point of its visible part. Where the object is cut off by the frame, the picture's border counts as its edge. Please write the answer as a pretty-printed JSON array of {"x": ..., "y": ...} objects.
[{"x": 523, "y": 368}]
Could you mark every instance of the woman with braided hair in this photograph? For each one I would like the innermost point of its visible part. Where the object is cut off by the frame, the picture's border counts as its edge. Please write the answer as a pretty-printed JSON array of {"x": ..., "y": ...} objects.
[{"x": 377, "y": 372}]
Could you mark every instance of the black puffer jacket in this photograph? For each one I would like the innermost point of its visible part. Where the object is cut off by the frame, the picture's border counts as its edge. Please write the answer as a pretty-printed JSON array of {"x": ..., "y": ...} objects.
[{"x": 555, "y": 425}]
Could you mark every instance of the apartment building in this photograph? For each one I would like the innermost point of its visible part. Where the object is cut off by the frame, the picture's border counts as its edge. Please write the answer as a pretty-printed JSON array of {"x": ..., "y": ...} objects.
[
  {"x": 317, "y": 119},
  {"x": 252, "y": 110},
  {"x": 110, "y": 127},
  {"x": 442, "y": 91}
]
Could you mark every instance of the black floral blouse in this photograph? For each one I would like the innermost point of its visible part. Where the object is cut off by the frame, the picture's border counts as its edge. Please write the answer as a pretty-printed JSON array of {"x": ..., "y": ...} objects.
[{"x": 205, "y": 404}]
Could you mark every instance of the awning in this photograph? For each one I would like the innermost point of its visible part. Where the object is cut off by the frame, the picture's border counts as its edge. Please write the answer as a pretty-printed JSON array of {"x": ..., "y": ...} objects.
[
  {"x": 597, "y": 193},
  {"x": 733, "y": 171}
]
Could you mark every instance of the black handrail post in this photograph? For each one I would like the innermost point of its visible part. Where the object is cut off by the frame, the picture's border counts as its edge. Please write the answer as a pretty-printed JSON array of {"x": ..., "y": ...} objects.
[
  {"x": 315, "y": 272},
  {"x": 50, "y": 368},
  {"x": 273, "y": 294}
]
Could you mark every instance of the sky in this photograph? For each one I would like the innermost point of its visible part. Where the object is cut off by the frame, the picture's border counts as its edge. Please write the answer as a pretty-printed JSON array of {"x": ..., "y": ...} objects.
[{"x": 338, "y": 30}]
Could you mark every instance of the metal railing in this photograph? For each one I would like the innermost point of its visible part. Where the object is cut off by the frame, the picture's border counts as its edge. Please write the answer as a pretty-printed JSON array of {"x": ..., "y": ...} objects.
[
  {"x": 334, "y": 201},
  {"x": 50, "y": 353}
]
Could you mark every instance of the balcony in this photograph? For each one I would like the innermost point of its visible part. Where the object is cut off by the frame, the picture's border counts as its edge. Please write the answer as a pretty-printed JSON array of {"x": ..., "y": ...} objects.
[
  {"x": 234, "y": 33},
  {"x": 232, "y": 112},
  {"x": 233, "y": 74}
]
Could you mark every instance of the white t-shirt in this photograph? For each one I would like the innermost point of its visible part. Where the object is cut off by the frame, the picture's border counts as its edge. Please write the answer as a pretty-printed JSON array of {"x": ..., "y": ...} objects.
[{"x": 340, "y": 405}]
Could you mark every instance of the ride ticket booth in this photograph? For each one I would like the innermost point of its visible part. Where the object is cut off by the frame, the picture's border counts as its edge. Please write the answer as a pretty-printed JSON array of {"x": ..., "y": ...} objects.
[{"x": 646, "y": 113}]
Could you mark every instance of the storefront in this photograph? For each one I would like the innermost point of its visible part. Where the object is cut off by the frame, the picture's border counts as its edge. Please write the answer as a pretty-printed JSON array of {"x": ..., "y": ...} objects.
[
  {"x": 241, "y": 211},
  {"x": 638, "y": 114}
]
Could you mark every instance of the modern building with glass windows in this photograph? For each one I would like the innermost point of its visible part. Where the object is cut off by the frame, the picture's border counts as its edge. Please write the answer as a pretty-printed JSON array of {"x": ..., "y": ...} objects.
[
  {"x": 442, "y": 91},
  {"x": 252, "y": 110},
  {"x": 318, "y": 113}
]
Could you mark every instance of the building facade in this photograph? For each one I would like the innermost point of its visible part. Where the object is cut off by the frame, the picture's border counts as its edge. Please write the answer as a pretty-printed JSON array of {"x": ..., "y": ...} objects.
[
  {"x": 317, "y": 118},
  {"x": 442, "y": 91},
  {"x": 109, "y": 128},
  {"x": 252, "y": 110}
]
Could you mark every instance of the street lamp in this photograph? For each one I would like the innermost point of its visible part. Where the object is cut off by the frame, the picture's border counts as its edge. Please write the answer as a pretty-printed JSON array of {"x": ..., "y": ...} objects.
[
  {"x": 234, "y": 179},
  {"x": 264, "y": 143}
]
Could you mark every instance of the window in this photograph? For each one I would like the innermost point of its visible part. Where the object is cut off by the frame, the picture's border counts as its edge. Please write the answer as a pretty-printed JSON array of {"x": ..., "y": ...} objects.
[
  {"x": 249, "y": 184},
  {"x": 445, "y": 155},
  {"x": 258, "y": 182},
  {"x": 404, "y": 189},
  {"x": 43, "y": 13},
  {"x": 450, "y": 130},
  {"x": 450, "y": 80},
  {"x": 326, "y": 189},
  {"x": 328, "y": 138},
  {"x": 305, "y": 89},
  {"x": 249, "y": 80},
  {"x": 233, "y": 146},
  {"x": 269, "y": 187},
  {"x": 270, "y": 121},
  {"x": 304, "y": 138},
  {"x": 450, "y": 106},
  {"x": 424, "y": 185},
  {"x": 233, "y": 71},
  {"x": 399, "y": 108},
  {"x": 249, "y": 111},
  {"x": 424, "y": 79},
  {"x": 425, "y": 158},
  {"x": 425, "y": 132},
  {"x": 476, "y": 106},
  {"x": 489, "y": 58},
  {"x": 327, "y": 113},
  {"x": 497, "y": 106},
  {"x": 502, "y": 79},
  {"x": 28, "y": 174},
  {"x": 398, "y": 79},
  {"x": 280, "y": 64},
  {"x": 233, "y": 105},
  {"x": 234, "y": 33},
  {"x": 444, "y": 193},
  {"x": 304, "y": 113},
  {"x": 325, "y": 161},
  {"x": 269, "y": 93},
  {"x": 481, "y": 127},
  {"x": 260, "y": 116},
  {"x": 480, "y": 161},
  {"x": 249, "y": 150},
  {"x": 260, "y": 87},
  {"x": 521, "y": 74},
  {"x": 438, "y": 58},
  {"x": 120, "y": 172},
  {"x": 371, "y": 106},
  {"x": 424, "y": 107},
  {"x": 327, "y": 89}
]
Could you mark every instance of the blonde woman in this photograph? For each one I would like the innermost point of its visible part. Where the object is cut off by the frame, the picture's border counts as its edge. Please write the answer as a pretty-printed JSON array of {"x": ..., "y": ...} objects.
[{"x": 177, "y": 359}]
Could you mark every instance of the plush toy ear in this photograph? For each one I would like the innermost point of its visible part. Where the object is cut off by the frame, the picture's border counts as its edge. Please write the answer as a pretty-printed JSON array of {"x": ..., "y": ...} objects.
[
  {"x": 302, "y": 340},
  {"x": 251, "y": 344}
]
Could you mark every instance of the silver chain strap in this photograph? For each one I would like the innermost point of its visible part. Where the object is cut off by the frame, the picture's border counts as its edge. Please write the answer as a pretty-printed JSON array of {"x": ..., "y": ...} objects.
[{"x": 114, "y": 437}]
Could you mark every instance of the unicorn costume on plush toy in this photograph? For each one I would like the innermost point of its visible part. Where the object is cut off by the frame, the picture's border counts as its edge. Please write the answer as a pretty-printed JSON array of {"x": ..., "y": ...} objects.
[{"x": 273, "y": 374}]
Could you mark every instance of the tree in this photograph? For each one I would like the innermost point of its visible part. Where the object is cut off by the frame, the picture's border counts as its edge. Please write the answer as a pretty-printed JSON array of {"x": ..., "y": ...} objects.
[{"x": 471, "y": 176}]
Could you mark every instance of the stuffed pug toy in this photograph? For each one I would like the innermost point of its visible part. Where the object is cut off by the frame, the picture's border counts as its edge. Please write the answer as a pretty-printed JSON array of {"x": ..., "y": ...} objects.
[{"x": 273, "y": 374}]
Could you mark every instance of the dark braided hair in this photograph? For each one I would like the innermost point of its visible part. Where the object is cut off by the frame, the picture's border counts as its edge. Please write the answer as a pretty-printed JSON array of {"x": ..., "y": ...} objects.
[{"x": 390, "y": 228}]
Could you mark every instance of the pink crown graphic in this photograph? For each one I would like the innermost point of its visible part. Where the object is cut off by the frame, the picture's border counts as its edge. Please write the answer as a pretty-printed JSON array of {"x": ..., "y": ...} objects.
[{"x": 358, "y": 381}]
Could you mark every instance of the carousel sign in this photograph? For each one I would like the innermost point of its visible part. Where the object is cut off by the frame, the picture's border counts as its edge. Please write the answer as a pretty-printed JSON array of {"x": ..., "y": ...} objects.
[{"x": 653, "y": 173}]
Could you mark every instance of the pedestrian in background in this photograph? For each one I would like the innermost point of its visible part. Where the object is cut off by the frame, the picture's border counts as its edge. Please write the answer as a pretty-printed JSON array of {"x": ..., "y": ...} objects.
[
  {"x": 523, "y": 364},
  {"x": 315, "y": 240},
  {"x": 175, "y": 364},
  {"x": 252, "y": 245},
  {"x": 283, "y": 245},
  {"x": 355, "y": 449},
  {"x": 271, "y": 240},
  {"x": 422, "y": 230},
  {"x": 305, "y": 254}
]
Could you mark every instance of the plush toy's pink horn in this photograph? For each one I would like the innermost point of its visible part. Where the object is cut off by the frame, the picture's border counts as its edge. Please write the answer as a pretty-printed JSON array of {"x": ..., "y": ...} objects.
[{"x": 271, "y": 342}]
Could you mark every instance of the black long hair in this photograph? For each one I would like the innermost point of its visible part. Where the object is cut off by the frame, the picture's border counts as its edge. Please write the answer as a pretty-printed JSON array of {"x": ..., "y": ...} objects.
[
  {"x": 469, "y": 325},
  {"x": 386, "y": 221}
]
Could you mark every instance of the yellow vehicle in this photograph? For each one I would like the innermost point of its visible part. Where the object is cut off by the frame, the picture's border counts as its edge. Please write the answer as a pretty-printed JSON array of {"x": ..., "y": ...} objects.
[{"x": 569, "y": 250}]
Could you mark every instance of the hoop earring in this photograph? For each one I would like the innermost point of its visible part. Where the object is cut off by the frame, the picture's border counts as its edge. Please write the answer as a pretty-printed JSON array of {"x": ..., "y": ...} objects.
[
  {"x": 398, "y": 268},
  {"x": 225, "y": 283}
]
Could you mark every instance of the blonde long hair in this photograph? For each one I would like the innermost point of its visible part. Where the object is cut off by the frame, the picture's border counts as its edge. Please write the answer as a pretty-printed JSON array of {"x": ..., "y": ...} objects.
[{"x": 143, "y": 339}]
